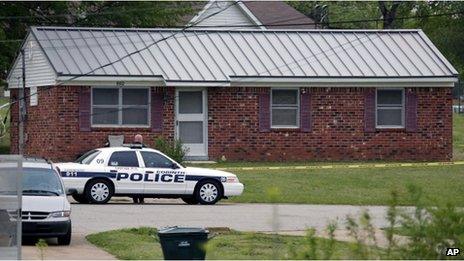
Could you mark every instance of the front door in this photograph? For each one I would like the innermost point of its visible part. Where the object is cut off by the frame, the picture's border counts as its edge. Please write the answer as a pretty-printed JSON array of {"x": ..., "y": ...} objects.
[{"x": 191, "y": 122}]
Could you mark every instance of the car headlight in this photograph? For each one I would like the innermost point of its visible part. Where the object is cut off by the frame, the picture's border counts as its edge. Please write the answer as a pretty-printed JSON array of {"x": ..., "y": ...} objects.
[
  {"x": 59, "y": 214},
  {"x": 232, "y": 179}
]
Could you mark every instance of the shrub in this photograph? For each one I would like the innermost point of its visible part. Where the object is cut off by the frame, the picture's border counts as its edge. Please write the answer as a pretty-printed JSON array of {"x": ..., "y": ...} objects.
[
  {"x": 430, "y": 231},
  {"x": 173, "y": 149}
]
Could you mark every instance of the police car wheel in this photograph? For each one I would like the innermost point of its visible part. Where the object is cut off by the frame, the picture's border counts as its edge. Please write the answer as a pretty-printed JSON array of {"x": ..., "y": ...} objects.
[
  {"x": 190, "y": 201},
  {"x": 208, "y": 192},
  {"x": 80, "y": 198},
  {"x": 99, "y": 191}
]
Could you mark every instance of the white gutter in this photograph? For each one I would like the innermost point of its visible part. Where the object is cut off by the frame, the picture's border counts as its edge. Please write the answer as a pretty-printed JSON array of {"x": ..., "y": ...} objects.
[
  {"x": 342, "y": 82},
  {"x": 110, "y": 80}
]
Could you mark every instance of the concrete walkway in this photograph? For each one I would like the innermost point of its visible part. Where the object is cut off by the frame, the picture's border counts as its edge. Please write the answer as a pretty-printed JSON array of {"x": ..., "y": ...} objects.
[{"x": 79, "y": 249}]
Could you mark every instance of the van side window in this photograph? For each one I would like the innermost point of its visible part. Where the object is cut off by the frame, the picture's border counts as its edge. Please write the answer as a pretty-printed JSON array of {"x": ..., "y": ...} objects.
[
  {"x": 155, "y": 160},
  {"x": 123, "y": 159}
]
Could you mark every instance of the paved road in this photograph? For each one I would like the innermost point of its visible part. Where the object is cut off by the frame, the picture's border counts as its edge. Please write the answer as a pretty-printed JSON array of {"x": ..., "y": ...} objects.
[
  {"x": 244, "y": 217},
  {"x": 120, "y": 213}
]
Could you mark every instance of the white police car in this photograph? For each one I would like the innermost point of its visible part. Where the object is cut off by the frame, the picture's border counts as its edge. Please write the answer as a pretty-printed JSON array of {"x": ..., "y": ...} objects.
[{"x": 134, "y": 171}]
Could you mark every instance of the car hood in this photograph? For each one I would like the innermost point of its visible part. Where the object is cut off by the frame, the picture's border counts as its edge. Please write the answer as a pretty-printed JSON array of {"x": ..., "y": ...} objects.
[
  {"x": 45, "y": 203},
  {"x": 207, "y": 172}
]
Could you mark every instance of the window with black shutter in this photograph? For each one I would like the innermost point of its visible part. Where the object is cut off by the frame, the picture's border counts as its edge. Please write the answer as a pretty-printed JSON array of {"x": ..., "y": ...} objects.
[{"x": 390, "y": 108}]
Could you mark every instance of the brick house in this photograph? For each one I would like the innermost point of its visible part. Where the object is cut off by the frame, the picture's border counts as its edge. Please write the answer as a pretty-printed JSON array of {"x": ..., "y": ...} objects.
[{"x": 242, "y": 94}]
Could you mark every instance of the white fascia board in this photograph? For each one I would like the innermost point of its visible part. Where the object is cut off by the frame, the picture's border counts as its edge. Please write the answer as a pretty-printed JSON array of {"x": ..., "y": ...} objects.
[
  {"x": 197, "y": 84},
  {"x": 343, "y": 82},
  {"x": 111, "y": 80}
]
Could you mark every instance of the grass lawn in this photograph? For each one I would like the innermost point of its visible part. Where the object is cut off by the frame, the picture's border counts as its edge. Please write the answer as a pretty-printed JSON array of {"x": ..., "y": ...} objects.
[
  {"x": 360, "y": 186},
  {"x": 458, "y": 136},
  {"x": 373, "y": 186},
  {"x": 143, "y": 243}
]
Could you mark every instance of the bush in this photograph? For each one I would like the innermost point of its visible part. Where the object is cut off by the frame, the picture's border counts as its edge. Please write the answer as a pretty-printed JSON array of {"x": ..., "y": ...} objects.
[
  {"x": 173, "y": 149},
  {"x": 430, "y": 231}
]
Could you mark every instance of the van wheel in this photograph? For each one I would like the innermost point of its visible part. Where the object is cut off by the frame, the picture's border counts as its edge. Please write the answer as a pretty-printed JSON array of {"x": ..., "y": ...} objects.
[
  {"x": 66, "y": 239},
  {"x": 190, "y": 201},
  {"x": 80, "y": 198},
  {"x": 99, "y": 191},
  {"x": 208, "y": 192}
]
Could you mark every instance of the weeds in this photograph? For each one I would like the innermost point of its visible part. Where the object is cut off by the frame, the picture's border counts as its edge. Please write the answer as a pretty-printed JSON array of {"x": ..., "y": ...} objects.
[
  {"x": 172, "y": 149},
  {"x": 430, "y": 231}
]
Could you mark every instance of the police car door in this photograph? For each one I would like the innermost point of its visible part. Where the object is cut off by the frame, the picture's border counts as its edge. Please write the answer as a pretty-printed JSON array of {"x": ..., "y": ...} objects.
[
  {"x": 129, "y": 174},
  {"x": 163, "y": 176}
]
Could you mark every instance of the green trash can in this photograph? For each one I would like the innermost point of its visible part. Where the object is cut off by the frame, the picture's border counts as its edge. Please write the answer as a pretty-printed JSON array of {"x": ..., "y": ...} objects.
[{"x": 183, "y": 243}]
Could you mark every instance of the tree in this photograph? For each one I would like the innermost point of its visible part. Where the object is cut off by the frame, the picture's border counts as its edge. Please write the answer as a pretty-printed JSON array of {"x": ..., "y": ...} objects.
[
  {"x": 17, "y": 17},
  {"x": 388, "y": 14}
]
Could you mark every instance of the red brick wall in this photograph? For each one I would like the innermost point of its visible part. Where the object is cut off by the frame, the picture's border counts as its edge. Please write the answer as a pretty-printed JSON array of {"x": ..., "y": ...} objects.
[
  {"x": 53, "y": 126},
  {"x": 337, "y": 128}
]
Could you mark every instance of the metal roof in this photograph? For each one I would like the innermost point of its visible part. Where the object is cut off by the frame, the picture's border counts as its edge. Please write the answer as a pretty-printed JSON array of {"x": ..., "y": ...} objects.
[{"x": 219, "y": 55}]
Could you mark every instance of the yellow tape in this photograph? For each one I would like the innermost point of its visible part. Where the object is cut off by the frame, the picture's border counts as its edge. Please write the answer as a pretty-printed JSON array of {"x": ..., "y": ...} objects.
[{"x": 342, "y": 166}]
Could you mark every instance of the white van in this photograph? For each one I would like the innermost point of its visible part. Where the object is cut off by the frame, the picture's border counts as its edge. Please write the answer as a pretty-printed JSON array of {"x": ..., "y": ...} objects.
[{"x": 46, "y": 211}]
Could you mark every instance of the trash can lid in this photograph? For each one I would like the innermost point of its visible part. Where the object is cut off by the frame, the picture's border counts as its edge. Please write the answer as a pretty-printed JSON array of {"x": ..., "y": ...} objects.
[{"x": 183, "y": 230}]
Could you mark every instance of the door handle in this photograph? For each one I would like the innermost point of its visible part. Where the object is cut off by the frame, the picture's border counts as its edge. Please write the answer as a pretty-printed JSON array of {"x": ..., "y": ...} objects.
[
  {"x": 149, "y": 172},
  {"x": 113, "y": 170}
]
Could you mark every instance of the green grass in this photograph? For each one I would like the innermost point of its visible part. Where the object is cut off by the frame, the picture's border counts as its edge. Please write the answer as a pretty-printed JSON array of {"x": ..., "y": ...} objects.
[
  {"x": 370, "y": 186},
  {"x": 458, "y": 136},
  {"x": 143, "y": 243}
]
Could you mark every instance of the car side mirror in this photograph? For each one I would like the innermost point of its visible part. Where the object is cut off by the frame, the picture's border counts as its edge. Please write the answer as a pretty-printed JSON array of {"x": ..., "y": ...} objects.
[{"x": 71, "y": 191}]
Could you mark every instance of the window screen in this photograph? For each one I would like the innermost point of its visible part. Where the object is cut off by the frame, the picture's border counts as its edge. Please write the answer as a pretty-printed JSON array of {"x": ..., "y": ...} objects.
[
  {"x": 123, "y": 159},
  {"x": 390, "y": 108},
  {"x": 120, "y": 106},
  {"x": 284, "y": 108},
  {"x": 191, "y": 102},
  {"x": 191, "y": 131},
  {"x": 155, "y": 160}
]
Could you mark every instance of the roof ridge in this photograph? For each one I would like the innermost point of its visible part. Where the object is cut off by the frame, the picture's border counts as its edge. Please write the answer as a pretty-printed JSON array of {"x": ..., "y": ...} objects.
[{"x": 71, "y": 28}]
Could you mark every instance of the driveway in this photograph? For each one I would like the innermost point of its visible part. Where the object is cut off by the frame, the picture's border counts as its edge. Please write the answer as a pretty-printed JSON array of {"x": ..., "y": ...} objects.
[
  {"x": 121, "y": 213},
  {"x": 89, "y": 219}
]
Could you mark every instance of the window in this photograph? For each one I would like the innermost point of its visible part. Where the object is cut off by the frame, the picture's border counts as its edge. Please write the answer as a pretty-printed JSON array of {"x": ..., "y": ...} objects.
[
  {"x": 155, "y": 160},
  {"x": 120, "y": 106},
  {"x": 88, "y": 157},
  {"x": 390, "y": 108},
  {"x": 284, "y": 108},
  {"x": 124, "y": 159},
  {"x": 41, "y": 182}
]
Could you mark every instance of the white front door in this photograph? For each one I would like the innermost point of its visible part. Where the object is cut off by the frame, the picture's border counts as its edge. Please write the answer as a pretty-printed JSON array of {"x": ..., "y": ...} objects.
[{"x": 191, "y": 121}]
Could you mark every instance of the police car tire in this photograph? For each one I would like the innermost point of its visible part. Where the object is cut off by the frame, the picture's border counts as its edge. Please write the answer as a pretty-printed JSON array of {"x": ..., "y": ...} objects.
[
  {"x": 199, "y": 187},
  {"x": 190, "y": 201},
  {"x": 88, "y": 192},
  {"x": 80, "y": 198}
]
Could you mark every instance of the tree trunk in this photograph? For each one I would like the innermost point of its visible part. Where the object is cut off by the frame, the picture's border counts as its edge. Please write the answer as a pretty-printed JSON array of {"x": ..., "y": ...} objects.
[{"x": 388, "y": 15}]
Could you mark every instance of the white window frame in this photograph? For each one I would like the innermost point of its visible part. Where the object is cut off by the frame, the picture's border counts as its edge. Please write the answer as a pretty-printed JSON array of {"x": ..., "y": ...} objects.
[
  {"x": 286, "y": 107},
  {"x": 402, "y": 107},
  {"x": 121, "y": 107}
]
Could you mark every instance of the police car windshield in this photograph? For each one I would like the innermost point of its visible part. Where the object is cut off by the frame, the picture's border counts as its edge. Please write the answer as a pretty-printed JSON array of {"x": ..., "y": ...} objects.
[
  {"x": 41, "y": 182},
  {"x": 88, "y": 157}
]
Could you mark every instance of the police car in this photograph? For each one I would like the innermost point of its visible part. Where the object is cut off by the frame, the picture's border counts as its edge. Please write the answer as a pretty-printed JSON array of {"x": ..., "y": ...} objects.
[{"x": 136, "y": 171}]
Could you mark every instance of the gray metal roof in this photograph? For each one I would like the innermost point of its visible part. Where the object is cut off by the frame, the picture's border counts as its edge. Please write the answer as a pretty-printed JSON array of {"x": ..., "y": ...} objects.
[{"x": 217, "y": 55}]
